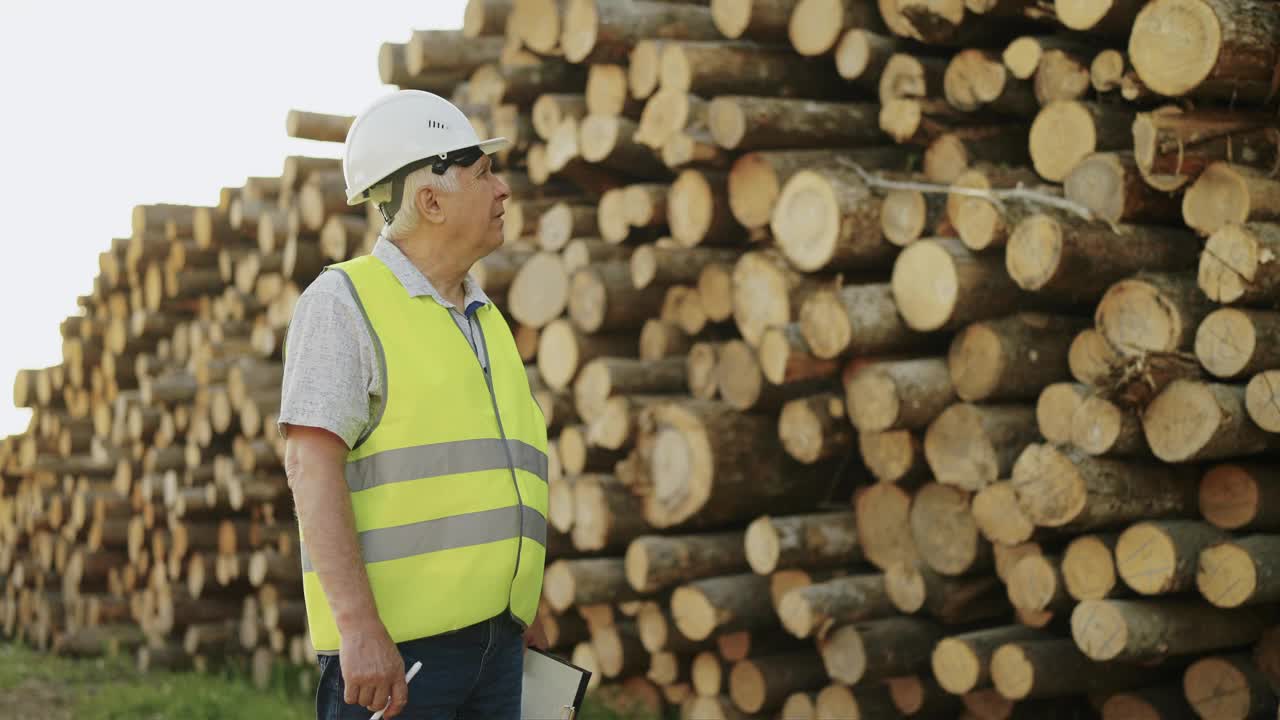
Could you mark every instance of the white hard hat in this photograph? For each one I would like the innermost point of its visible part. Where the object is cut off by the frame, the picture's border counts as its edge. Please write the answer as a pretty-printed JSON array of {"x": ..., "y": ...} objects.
[{"x": 400, "y": 129}]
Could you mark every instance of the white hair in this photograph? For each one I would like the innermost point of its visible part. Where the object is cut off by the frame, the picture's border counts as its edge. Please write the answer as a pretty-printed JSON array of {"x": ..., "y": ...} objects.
[{"x": 407, "y": 217}]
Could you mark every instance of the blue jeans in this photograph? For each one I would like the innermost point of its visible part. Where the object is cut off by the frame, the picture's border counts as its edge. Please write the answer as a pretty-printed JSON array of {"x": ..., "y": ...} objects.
[{"x": 475, "y": 673}]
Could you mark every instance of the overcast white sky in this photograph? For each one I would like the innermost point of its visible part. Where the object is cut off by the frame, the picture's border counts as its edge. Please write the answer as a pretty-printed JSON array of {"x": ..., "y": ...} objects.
[{"x": 110, "y": 105}]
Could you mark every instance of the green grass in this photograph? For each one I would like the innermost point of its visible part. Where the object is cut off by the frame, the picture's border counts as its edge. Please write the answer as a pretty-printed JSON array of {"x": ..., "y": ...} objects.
[{"x": 40, "y": 685}]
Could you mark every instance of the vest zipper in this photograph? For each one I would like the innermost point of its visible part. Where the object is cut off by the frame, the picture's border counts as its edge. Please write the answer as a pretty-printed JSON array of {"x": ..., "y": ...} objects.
[{"x": 511, "y": 462}]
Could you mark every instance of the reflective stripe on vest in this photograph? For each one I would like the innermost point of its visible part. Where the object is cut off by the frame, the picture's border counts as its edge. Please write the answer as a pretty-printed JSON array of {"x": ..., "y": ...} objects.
[
  {"x": 448, "y": 458},
  {"x": 446, "y": 533},
  {"x": 449, "y": 486}
]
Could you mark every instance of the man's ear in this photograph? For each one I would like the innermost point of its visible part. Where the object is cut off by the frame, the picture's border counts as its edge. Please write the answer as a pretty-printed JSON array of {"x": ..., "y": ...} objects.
[{"x": 428, "y": 205}]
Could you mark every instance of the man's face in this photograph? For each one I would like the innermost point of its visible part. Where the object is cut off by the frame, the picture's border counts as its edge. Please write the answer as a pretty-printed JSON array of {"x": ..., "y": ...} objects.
[{"x": 475, "y": 211}]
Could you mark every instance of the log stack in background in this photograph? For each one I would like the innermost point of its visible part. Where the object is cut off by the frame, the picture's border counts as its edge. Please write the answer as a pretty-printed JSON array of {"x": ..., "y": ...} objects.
[{"x": 828, "y": 440}]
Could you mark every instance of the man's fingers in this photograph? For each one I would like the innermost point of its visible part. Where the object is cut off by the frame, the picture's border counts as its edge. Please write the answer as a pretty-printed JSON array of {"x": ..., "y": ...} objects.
[
  {"x": 369, "y": 695},
  {"x": 399, "y": 698}
]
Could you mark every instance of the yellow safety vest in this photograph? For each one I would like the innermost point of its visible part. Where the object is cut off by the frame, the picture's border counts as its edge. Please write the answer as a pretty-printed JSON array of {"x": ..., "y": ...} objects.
[{"x": 449, "y": 486}]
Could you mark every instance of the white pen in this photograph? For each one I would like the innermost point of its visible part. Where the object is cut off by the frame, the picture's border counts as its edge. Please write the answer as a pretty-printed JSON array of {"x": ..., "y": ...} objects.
[{"x": 407, "y": 677}]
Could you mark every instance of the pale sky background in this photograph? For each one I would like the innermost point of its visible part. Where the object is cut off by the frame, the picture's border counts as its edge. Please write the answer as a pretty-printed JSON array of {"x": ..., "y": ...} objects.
[{"x": 111, "y": 105}]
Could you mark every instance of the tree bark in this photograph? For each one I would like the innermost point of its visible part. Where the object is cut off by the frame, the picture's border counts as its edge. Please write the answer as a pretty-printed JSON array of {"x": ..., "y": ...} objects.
[
  {"x": 606, "y": 377},
  {"x": 812, "y": 610},
  {"x": 802, "y": 541},
  {"x": 950, "y": 600},
  {"x": 655, "y": 562},
  {"x": 760, "y": 684},
  {"x": 1022, "y": 670},
  {"x": 750, "y": 123},
  {"x": 1223, "y": 428},
  {"x": 763, "y": 20},
  {"x": 878, "y": 649},
  {"x": 1059, "y": 488},
  {"x": 722, "y": 604},
  {"x": 1139, "y": 630},
  {"x": 1172, "y": 146},
  {"x": 1160, "y": 557},
  {"x": 857, "y": 320},
  {"x": 586, "y": 581},
  {"x": 719, "y": 68},
  {"x": 1012, "y": 358},
  {"x": 604, "y": 32}
]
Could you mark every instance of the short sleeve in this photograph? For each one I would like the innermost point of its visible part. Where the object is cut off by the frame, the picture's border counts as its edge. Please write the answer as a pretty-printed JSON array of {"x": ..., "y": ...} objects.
[{"x": 330, "y": 379}]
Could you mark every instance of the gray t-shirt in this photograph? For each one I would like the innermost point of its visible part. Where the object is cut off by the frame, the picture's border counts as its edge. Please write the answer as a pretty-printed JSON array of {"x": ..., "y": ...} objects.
[{"x": 333, "y": 374}]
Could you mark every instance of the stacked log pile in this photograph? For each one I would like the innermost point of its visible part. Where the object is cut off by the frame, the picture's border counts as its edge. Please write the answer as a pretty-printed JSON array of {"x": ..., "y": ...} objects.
[{"x": 900, "y": 360}]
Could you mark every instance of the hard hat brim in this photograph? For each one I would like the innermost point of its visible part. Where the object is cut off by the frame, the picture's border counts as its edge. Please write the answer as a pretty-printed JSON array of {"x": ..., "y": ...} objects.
[{"x": 488, "y": 147}]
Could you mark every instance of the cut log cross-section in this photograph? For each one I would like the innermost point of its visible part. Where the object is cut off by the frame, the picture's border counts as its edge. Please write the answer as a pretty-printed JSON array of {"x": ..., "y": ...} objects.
[
  {"x": 1235, "y": 265},
  {"x": 970, "y": 446},
  {"x": 830, "y": 219},
  {"x": 962, "y": 663},
  {"x": 1222, "y": 50},
  {"x": 712, "y": 464},
  {"x": 938, "y": 284},
  {"x": 1241, "y": 496},
  {"x": 945, "y": 533},
  {"x": 1240, "y": 571},
  {"x": 1160, "y": 557},
  {"x": 1226, "y": 194},
  {"x": 879, "y": 649}
]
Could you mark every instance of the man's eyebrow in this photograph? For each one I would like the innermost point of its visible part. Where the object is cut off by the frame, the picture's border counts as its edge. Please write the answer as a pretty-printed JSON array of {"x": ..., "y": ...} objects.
[{"x": 484, "y": 163}]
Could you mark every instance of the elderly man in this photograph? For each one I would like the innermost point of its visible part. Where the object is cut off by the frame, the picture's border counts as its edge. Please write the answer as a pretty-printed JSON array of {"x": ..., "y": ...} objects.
[{"x": 414, "y": 448}]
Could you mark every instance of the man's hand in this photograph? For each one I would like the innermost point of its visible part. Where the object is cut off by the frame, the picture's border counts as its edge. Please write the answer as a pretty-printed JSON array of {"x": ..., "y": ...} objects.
[
  {"x": 535, "y": 636},
  {"x": 372, "y": 669}
]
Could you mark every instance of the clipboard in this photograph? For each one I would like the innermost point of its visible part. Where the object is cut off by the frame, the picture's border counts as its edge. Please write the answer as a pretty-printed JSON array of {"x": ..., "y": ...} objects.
[{"x": 553, "y": 687}]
